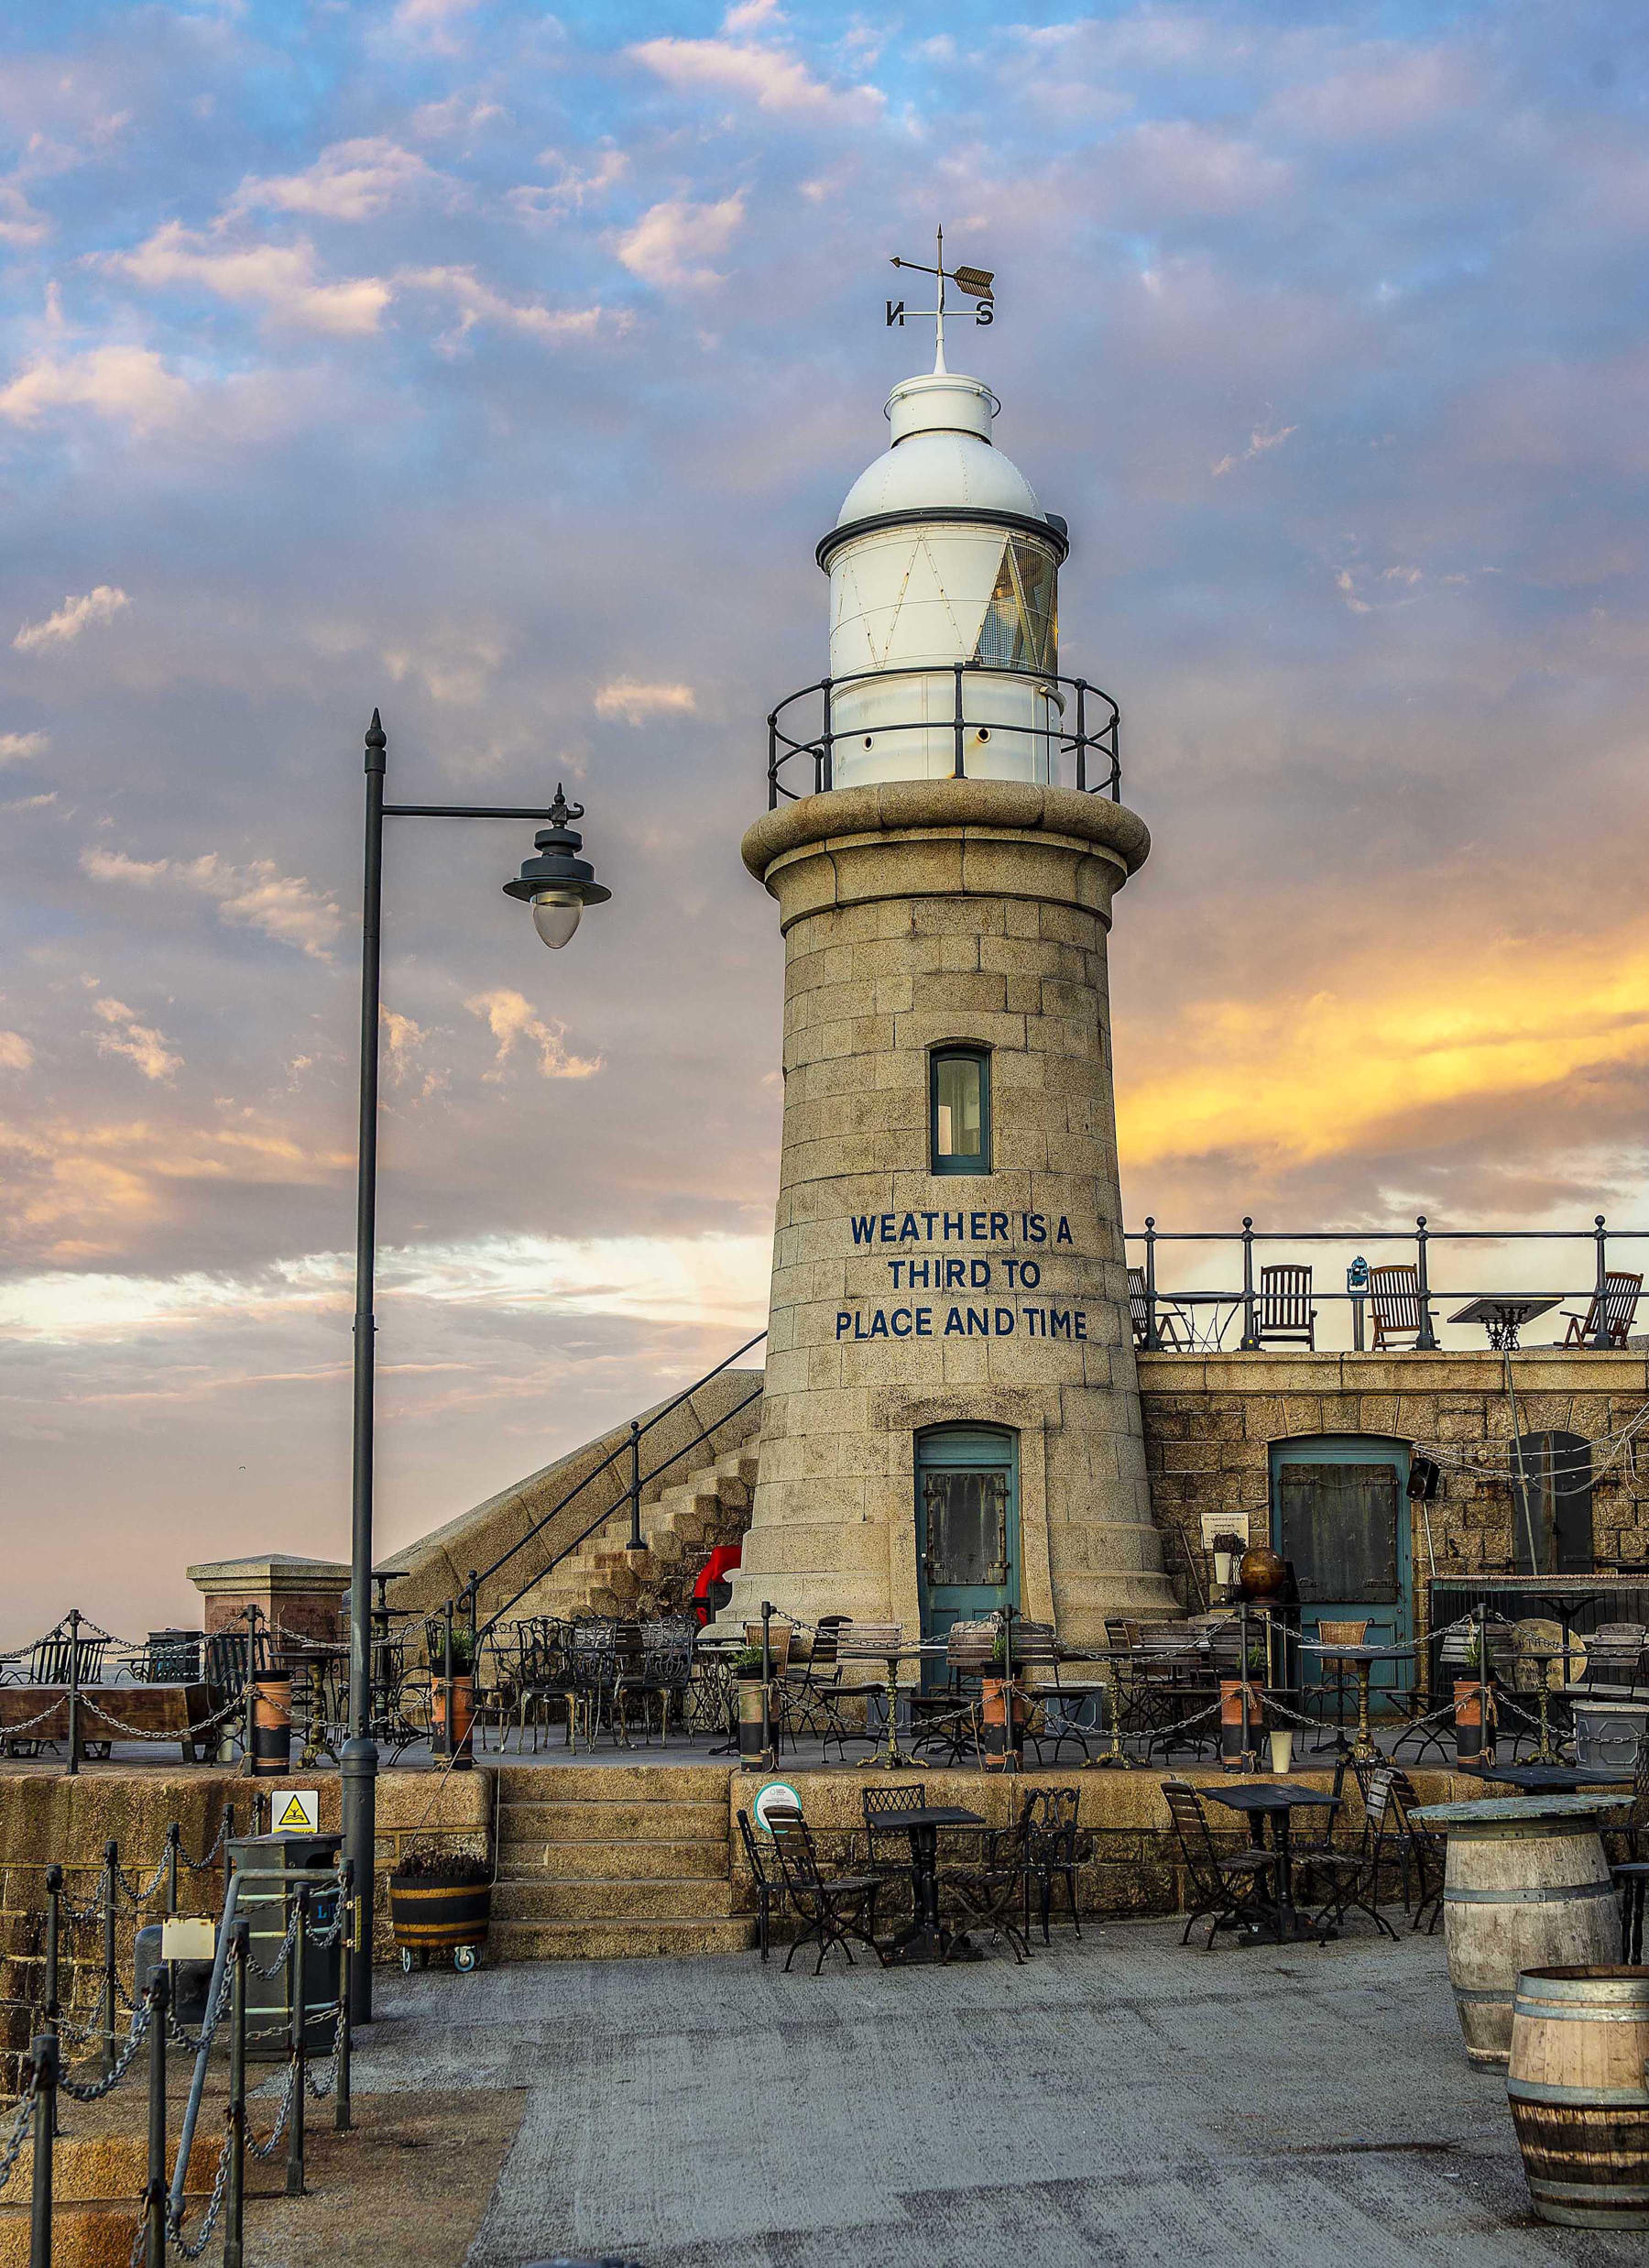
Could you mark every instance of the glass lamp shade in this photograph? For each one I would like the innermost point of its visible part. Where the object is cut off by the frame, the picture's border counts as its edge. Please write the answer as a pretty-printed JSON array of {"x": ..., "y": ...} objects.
[{"x": 555, "y": 916}]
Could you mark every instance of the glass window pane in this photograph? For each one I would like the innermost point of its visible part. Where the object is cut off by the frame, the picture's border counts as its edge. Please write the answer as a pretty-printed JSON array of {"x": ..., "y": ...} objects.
[
  {"x": 1001, "y": 643},
  {"x": 958, "y": 1098},
  {"x": 1038, "y": 589}
]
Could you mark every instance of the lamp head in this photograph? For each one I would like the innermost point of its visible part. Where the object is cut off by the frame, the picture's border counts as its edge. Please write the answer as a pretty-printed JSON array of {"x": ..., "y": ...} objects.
[{"x": 557, "y": 883}]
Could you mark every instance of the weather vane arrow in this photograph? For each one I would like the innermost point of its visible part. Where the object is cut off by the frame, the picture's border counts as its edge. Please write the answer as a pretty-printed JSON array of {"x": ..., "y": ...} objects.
[{"x": 975, "y": 283}]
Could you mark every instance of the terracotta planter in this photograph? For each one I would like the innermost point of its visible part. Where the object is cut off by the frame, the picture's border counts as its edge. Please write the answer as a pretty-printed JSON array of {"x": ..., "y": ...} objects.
[
  {"x": 754, "y": 1754},
  {"x": 271, "y": 1724},
  {"x": 1240, "y": 1743},
  {"x": 1472, "y": 1738},
  {"x": 456, "y": 1719},
  {"x": 999, "y": 1754}
]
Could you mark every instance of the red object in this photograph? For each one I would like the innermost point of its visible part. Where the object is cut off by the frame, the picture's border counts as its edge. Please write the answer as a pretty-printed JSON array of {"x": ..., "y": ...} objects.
[{"x": 712, "y": 1591}]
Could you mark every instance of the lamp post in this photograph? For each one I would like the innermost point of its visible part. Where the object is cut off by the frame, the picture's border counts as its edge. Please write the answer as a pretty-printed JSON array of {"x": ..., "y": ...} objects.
[{"x": 558, "y": 884}]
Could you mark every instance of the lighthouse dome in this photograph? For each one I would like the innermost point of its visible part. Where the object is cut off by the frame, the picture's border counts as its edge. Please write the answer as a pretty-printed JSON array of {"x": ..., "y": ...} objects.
[{"x": 942, "y": 456}]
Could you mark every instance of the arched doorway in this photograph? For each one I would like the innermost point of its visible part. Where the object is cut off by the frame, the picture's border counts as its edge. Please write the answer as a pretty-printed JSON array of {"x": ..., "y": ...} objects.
[
  {"x": 1552, "y": 1504},
  {"x": 966, "y": 1524}
]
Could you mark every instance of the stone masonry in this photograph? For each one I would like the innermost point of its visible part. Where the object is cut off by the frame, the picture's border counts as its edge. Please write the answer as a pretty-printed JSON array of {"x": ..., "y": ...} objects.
[{"x": 914, "y": 915}]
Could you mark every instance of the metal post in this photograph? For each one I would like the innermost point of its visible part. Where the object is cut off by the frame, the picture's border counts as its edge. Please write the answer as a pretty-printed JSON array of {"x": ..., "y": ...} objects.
[
  {"x": 43, "y": 2056},
  {"x": 1081, "y": 735},
  {"x": 235, "y": 2199},
  {"x": 249, "y": 1614},
  {"x": 766, "y": 1689},
  {"x": 358, "y": 1763},
  {"x": 341, "y": 2105},
  {"x": 829, "y": 734},
  {"x": 155, "y": 2193},
  {"x": 228, "y": 1823},
  {"x": 1483, "y": 1682},
  {"x": 174, "y": 1836},
  {"x": 110, "y": 1893},
  {"x": 54, "y": 1900},
  {"x": 1153, "y": 1338},
  {"x": 1251, "y": 1330},
  {"x": 74, "y": 1701},
  {"x": 960, "y": 771},
  {"x": 1426, "y": 1343},
  {"x": 1600, "y": 1335},
  {"x": 297, "y": 1980},
  {"x": 635, "y": 1484},
  {"x": 773, "y": 764}
]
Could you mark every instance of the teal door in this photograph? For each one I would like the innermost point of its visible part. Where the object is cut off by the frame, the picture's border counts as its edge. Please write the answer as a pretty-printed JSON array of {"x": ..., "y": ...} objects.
[
  {"x": 966, "y": 1525},
  {"x": 1340, "y": 1513}
]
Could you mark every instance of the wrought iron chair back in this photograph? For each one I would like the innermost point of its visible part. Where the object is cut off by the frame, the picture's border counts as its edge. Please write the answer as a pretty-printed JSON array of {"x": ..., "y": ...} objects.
[
  {"x": 885, "y": 1840},
  {"x": 1170, "y": 1322},
  {"x": 50, "y": 1657}
]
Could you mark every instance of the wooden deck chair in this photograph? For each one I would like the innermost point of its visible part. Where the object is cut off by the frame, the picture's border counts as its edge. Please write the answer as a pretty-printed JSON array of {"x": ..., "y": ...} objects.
[
  {"x": 1285, "y": 1309},
  {"x": 1394, "y": 1295},
  {"x": 1611, "y": 1311},
  {"x": 1170, "y": 1323}
]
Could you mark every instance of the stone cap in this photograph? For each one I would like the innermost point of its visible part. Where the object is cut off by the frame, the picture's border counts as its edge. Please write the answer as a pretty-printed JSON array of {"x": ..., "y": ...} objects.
[
  {"x": 278, "y": 1571},
  {"x": 983, "y": 806}
]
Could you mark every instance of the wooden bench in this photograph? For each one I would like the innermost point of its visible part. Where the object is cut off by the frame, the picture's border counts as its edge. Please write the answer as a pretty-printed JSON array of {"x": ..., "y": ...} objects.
[{"x": 165, "y": 1710}]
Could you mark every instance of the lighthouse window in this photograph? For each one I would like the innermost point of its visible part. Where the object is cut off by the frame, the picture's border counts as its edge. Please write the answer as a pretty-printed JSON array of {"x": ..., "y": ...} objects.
[
  {"x": 1019, "y": 630},
  {"x": 960, "y": 1090}
]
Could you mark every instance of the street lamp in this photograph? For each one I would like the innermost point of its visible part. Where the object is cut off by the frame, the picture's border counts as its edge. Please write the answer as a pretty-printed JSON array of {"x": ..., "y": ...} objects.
[{"x": 558, "y": 884}]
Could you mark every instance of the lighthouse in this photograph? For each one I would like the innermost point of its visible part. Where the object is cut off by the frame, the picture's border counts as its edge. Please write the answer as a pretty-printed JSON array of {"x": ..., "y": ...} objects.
[{"x": 950, "y": 1418}]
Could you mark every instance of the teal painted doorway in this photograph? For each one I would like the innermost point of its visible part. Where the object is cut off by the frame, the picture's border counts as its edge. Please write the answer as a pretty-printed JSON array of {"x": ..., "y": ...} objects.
[
  {"x": 967, "y": 1527},
  {"x": 1340, "y": 1513}
]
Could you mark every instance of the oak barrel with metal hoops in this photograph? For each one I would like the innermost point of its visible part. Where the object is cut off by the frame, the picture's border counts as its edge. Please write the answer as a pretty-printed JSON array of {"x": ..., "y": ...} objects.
[
  {"x": 1527, "y": 1887},
  {"x": 1579, "y": 2097},
  {"x": 271, "y": 1724}
]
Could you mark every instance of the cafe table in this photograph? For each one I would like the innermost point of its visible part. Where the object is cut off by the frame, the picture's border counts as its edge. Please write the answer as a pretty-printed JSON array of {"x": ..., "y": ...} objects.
[
  {"x": 1273, "y": 1800},
  {"x": 1549, "y": 1778},
  {"x": 1502, "y": 1315},
  {"x": 927, "y": 1939},
  {"x": 1362, "y": 1659}
]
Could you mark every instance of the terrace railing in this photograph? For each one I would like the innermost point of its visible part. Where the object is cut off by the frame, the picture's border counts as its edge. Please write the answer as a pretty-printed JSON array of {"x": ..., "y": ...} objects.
[{"x": 1416, "y": 1245}]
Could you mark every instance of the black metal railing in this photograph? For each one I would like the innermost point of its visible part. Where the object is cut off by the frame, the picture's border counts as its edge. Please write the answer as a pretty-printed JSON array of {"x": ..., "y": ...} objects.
[
  {"x": 1159, "y": 1301},
  {"x": 463, "y": 1607},
  {"x": 1080, "y": 749}
]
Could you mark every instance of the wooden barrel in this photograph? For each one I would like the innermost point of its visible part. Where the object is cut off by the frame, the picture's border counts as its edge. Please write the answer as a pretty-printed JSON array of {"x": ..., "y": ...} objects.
[
  {"x": 438, "y": 1917},
  {"x": 455, "y": 1711},
  {"x": 1521, "y": 1894},
  {"x": 1579, "y": 2036},
  {"x": 271, "y": 1724}
]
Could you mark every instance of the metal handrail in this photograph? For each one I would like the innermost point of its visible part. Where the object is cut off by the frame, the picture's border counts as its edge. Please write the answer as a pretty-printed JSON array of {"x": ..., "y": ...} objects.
[
  {"x": 464, "y": 1600},
  {"x": 1098, "y": 744},
  {"x": 1421, "y": 1237}
]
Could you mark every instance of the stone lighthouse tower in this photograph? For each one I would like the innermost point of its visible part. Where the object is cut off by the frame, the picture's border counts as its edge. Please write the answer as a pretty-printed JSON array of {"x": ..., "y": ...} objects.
[{"x": 951, "y": 1419}]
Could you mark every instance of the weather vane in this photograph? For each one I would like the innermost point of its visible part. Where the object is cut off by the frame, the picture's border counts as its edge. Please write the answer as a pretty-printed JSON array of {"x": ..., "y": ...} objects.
[{"x": 977, "y": 283}]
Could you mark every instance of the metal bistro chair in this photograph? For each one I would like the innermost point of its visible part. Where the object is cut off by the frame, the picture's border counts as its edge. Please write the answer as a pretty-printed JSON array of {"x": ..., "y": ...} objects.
[
  {"x": 1609, "y": 1311},
  {"x": 948, "y": 1722},
  {"x": 807, "y": 1694},
  {"x": 1058, "y": 1712},
  {"x": 858, "y": 1646},
  {"x": 769, "y": 1887},
  {"x": 1169, "y": 1320},
  {"x": 1229, "y": 1889},
  {"x": 666, "y": 1666},
  {"x": 1054, "y": 1847},
  {"x": 1388, "y": 1801},
  {"x": 990, "y": 1893},
  {"x": 1284, "y": 1310},
  {"x": 1337, "y": 1678},
  {"x": 832, "y": 1908},
  {"x": 887, "y": 1845},
  {"x": 1335, "y": 1877},
  {"x": 1394, "y": 1300}
]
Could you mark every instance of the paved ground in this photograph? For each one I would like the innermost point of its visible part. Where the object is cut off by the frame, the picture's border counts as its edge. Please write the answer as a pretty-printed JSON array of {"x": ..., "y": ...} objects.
[{"x": 1117, "y": 2101}]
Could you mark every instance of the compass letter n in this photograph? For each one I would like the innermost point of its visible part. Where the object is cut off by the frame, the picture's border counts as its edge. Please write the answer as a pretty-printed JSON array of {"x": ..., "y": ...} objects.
[{"x": 895, "y": 313}]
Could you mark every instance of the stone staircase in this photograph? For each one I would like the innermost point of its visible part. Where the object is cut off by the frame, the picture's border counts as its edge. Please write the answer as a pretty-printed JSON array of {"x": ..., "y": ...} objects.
[
  {"x": 600, "y": 1862},
  {"x": 708, "y": 1505}
]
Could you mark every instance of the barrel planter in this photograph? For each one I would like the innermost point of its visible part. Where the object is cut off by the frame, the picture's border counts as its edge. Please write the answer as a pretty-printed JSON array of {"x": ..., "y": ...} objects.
[
  {"x": 1576, "y": 2084},
  {"x": 1000, "y": 1756},
  {"x": 1608, "y": 1735},
  {"x": 1526, "y": 1886},
  {"x": 756, "y": 1753},
  {"x": 455, "y": 1711},
  {"x": 428, "y": 1917},
  {"x": 271, "y": 1724}
]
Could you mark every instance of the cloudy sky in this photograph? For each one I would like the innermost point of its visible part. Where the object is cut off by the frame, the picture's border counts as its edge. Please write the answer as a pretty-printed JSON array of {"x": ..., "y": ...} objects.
[{"x": 502, "y": 368}]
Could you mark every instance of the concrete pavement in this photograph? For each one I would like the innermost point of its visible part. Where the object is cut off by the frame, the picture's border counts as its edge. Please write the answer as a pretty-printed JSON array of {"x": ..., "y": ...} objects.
[{"x": 1119, "y": 2100}]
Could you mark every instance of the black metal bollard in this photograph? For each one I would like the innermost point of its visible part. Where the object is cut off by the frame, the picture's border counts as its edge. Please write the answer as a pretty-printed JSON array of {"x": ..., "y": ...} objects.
[
  {"x": 111, "y": 1897},
  {"x": 298, "y": 1981},
  {"x": 341, "y": 2105},
  {"x": 234, "y": 2200},
  {"x": 228, "y": 1833},
  {"x": 74, "y": 1730},
  {"x": 43, "y": 2059},
  {"x": 154, "y": 2194},
  {"x": 54, "y": 2004}
]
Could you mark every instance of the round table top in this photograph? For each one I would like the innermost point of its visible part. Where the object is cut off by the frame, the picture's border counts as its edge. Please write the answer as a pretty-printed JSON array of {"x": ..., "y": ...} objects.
[{"x": 1491, "y": 1811}]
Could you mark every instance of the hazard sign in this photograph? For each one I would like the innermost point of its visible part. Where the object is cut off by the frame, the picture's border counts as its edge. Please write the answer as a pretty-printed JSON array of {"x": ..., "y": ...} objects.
[{"x": 297, "y": 1811}]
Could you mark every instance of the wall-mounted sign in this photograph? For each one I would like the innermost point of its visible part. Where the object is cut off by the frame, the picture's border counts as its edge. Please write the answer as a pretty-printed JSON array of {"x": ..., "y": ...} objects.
[
  {"x": 779, "y": 1792},
  {"x": 296, "y": 1810}
]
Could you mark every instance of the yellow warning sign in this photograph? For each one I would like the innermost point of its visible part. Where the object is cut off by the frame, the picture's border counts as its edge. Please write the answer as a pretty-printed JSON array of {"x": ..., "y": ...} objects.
[{"x": 298, "y": 1810}]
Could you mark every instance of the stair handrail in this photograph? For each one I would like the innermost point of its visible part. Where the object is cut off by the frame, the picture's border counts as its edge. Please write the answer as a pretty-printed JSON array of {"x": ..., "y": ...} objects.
[{"x": 471, "y": 1590}]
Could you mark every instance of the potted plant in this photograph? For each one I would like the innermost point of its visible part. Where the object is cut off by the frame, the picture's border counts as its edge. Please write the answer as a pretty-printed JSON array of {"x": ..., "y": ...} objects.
[
  {"x": 1001, "y": 1754},
  {"x": 440, "y": 1902},
  {"x": 746, "y": 1662},
  {"x": 455, "y": 1699},
  {"x": 1228, "y": 1549}
]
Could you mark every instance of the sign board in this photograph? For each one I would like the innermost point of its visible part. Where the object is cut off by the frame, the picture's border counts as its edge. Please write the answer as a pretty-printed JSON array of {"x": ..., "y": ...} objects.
[
  {"x": 1223, "y": 1523},
  {"x": 295, "y": 1810},
  {"x": 188, "y": 1937},
  {"x": 777, "y": 1792}
]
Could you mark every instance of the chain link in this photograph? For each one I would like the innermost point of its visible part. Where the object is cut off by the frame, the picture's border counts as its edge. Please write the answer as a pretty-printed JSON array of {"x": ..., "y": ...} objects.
[
  {"x": 282, "y": 1958},
  {"x": 266, "y": 2149},
  {"x": 98, "y": 2089},
  {"x": 174, "y": 2221},
  {"x": 236, "y": 1706},
  {"x": 199, "y": 1865},
  {"x": 214, "y": 2016},
  {"x": 141, "y": 1897},
  {"x": 19, "y": 2132}
]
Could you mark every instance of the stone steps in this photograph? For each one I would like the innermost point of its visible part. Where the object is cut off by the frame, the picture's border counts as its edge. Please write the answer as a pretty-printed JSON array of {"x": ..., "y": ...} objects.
[
  {"x": 709, "y": 1504},
  {"x": 608, "y": 1862}
]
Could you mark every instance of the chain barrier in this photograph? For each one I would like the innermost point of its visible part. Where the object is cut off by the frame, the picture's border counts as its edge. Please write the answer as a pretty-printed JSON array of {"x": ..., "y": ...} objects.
[
  {"x": 94, "y": 1912},
  {"x": 194, "y": 2042},
  {"x": 268, "y": 2149},
  {"x": 236, "y": 1706},
  {"x": 199, "y": 1865},
  {"x": 98, "y": 2089},
  {"x": 15, "y": 2141},
  {"x": 255, "y": 1968},
  {"x": 141, "y": 1897},
  {"x": 10, "y": 1732},
  {"x": 193, "y": 2249}
]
